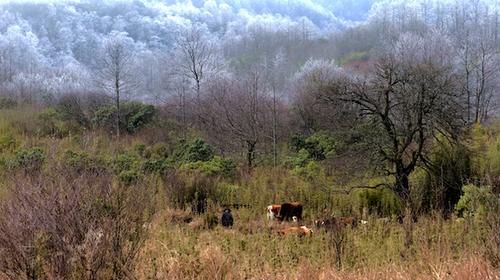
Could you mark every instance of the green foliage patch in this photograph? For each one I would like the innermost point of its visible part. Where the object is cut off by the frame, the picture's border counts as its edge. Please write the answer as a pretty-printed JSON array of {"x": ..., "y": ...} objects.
[
  {"x": 30, "y": 159},
  {"x": 134, "y": 116}
]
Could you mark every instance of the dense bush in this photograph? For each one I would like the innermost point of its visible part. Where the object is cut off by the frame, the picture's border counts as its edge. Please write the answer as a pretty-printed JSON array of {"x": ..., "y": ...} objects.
[
  {"x": 450, "y": 169},
  {"x": 318, "y": 146},
  {"x": 69, "y": 108},
  {"x": 379, "y": 202},
  {"x": 477, "y": 202},
  {"x": 82, "y": 162},
  {"x": 49, "y": 124},
  {"x": 310, "y": 170},
  {"x": 193, "y": 151},
  {"x": 104, "y": 117},
  {"x": 217, "y": 166},
  {"x": 480, "y": 206},
  {"x": 155, "y": 165},
  {"x": 134, "y": 116},
  {"x": 30, "y": 159},
  {"x": 125, "y": 162},
  {"x": 129, "y": 177}
]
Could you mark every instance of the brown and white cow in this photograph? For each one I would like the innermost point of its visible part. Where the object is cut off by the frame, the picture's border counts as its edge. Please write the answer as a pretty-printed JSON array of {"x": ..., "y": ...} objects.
[{"x": 273, "y": 211}]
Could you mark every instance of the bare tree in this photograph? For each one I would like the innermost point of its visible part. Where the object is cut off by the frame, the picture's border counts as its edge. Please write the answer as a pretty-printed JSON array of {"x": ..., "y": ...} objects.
[
  {"x": 479, "y": 62},
  {"x": 409, "y": 99},
  {"x": 234, "y": 110},
  {"x": 115, "y": 76},
  {"x": 274, "y": 80},
  {"x": 482, "y": 66},
  {"x": 196, "y": 54}
]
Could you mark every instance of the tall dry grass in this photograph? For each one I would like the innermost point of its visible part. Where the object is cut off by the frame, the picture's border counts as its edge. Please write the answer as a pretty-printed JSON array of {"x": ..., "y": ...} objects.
[{"x": 177, "y": 251}]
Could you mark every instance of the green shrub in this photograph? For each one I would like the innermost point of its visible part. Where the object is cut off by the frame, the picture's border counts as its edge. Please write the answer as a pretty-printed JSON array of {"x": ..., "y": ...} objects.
[
  {"x": 81, "y": 162},
  {"x": 134, "y": 116},
  {"x": 217, "y": 166},
  {"x": 318, "y": 146},
  {"x": 493, "y": 155},
  {"x": 310, "y": 171},
  {"x": 48, "y": 123},
  {"x": 442, "y": 183},
  {"x": 69, "y": 110},
  {"x": 196, "y": 150},
  {"x": 129, "y": 177},
  {"x": 477, "y": 202},
  {"x": 126, "y": 162},
  {"x": 155, "y": 165},
  {"x": 140, "y": 149},
  {"x": 300, "y": 159},
  {"x": 157, "y": 151},
  {"x": 30, "y": 159},
  {"x": 104, "y": 117},
  {"x": 380, "y": 202},
  {"x": 325, "y": 142},
  {"x": 479, "y": 141}
]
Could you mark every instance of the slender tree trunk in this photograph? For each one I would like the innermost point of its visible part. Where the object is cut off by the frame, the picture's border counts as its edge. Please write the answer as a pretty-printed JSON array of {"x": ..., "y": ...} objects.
[
  {"x": 198, "y": 90},
  {"x": 184, "y": 119},
  {"x": 467, "y": 78},
  {"x": 275, "y": 125},
  {"x": 403, "y": 191},
  {"x": 118, "y": 113},
  {"x": 250, "y": 153},
  {"x": 408, "y": 225}
]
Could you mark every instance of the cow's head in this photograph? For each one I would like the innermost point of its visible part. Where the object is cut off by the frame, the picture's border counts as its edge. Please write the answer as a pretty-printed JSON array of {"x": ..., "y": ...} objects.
[{"x": 270, "y": 213}]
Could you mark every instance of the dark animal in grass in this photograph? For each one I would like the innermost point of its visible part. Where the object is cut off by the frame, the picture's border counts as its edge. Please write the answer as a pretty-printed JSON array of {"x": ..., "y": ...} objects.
[
  {"x": 227, "y": 218},
  {"x": 289, "y": 210}
]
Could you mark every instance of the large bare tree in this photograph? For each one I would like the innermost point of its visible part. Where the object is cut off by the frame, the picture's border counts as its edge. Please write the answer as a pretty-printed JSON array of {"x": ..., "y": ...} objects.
[
  {"x": 411, "y": 96},
  {"x": 235, "y": 112}
]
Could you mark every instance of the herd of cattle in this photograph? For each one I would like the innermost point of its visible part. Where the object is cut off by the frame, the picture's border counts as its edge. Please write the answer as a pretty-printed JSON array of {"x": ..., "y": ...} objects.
[{"x": 292, "y": 212}]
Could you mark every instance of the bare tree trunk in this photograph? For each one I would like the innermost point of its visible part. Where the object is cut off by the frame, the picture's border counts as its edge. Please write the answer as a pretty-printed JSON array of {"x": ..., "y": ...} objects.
[
  {"x": 250, "y": 153},
  {"x": 118, "y": 113},
  {"x": 467, "y": 78},
  {"x": 403, "y": 190},
  {"x": 337, "y": 238},
  {"x": 408, "y": 225},
  {"x": 275, "y": 124}
]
